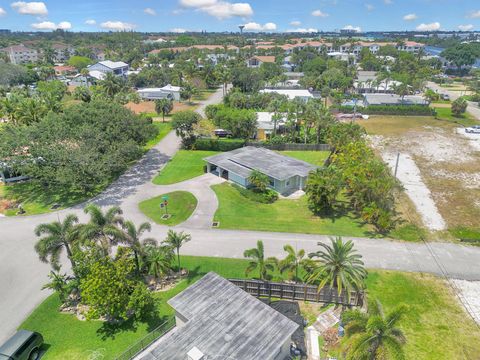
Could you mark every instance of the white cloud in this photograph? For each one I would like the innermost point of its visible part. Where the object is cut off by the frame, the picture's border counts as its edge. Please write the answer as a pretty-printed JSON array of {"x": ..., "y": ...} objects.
[
  {"x": 224, "y": 10},
  {"x": 64, "y": 25},
  {"x": 253, "y": 26},
  {"x": 117, "y": 26},
  {"x": 295, "y": 23},
  {"x": 30, "y": 8},
  {"x": 474, "y": 14},
  {"x": 410, "y": 17},
  {"x": 48, "y": 25},
  {"x": 369, "y": 7},
  {"x": 429, "y": 27},
  {"x": 218, "y": 8},
  {"x": 319, "y": 13},
  {"x": 466, "y": 27},
  {"x": 302, "y": 30},
  {"x": 355, "y": 28},
  {"x": 178, "y": 30},
  {"x": 91, "y": 22},
  {"x": 2, "y": 12},
  {"x": 388, "y": 2},
  {"x": 150, "y": 11},
  {"x": 197, "y": 3}
]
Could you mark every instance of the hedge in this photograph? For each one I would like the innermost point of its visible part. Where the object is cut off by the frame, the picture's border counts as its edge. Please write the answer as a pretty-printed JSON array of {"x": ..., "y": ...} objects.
[
  {"x": 391, "y": 110},
  {"x": 218, "y": 144}
]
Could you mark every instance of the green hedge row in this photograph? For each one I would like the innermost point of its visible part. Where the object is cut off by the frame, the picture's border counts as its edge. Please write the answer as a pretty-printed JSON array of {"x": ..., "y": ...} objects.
[
  {"x": 218, "y": 144},
  {"x": 391, "y": 110}
]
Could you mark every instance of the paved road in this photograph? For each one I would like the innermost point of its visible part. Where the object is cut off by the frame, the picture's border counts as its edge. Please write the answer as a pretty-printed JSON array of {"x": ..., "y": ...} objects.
[
  {"x": 22, "y": 274},
  {"x": 472, "y": 108}
]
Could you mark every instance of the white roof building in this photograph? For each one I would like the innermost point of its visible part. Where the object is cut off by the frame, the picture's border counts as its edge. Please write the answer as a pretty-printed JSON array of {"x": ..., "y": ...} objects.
[
  {"x": 291, "y": 93},
  {"x": 166, "y": 92}
]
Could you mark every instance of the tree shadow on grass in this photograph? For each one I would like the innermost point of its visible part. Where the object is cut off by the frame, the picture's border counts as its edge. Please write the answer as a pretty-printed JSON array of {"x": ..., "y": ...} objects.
[{"x": 109, "y": 330}]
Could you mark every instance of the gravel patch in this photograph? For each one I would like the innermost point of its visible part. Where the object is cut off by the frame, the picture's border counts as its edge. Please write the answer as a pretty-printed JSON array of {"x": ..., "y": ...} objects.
[
  {"x": 409, "y": 175},
  {"x": 469, "y": 294}
]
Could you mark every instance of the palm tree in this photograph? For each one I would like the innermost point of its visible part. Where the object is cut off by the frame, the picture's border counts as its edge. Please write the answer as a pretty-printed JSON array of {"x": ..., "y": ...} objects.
[
  {"x": 159, "y": 260},
  {"x": 292, "y": 261},
  {"x": 224, "y": 75},
  {"x": 258, "y": 261},
  {"x": 111, "y": 85},
  {"x": 176, "y": 240},
  {"x": 9, "y": 107},
  {"x": 103, "y": 227},
  {"x": 340, "y": 267},
  {"x": 375, "y": 335},
  {"x": 132, "y": 239},
  {"x": 32, "y": 110},
  {"x": 56, "y": 237},
  {"x": 259, "y": 180},
  {"x": 164, "y": 106}
]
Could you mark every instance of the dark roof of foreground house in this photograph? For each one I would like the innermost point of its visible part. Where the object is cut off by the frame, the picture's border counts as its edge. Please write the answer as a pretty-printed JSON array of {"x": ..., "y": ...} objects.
[
  {"x": 242, "y": 161},
  {"x": 223, "y": 320}
]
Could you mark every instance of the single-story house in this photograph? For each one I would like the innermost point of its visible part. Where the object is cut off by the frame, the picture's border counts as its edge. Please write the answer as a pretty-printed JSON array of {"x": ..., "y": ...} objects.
[
  {"x": 61, "y": 70},
  {"x": 393, "y": 99},
  {"x": 291, "y": 93},
  {"x": 119, "y": 68},
  {"x": 285, "y": 174},
  {"x": 257, "y": 61},
  {"x": 265, "y": 124},
  {"x": 166, "y": 92},
  {"x": 215, "y": 319}
]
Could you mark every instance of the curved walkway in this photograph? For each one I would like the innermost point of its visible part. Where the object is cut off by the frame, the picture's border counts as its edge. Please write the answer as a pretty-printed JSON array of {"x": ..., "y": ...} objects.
[{"x": 22, "y": 274}]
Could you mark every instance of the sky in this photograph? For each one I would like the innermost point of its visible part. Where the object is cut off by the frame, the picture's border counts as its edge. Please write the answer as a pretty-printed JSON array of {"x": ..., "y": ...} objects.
[{"x": 227, "y": 15}]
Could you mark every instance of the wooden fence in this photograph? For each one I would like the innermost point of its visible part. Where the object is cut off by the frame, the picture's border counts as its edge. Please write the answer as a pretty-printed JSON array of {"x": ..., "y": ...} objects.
[
  {"x": 260, "y": 288},
  {"x": 290, "y": 146}
]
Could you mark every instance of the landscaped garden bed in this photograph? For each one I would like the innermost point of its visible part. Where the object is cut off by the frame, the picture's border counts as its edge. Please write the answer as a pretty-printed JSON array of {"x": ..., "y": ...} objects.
[{"x": 180, "y": 205}]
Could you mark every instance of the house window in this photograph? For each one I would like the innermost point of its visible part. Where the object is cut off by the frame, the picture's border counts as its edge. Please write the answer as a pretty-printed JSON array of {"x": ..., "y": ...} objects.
[
  {"x": 271, "y": 182},
  {"x": 288, "y": 183}
]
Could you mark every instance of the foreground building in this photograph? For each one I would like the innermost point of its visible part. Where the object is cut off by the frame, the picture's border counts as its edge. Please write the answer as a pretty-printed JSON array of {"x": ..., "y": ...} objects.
[
  {"x": 286, "y": 174},
  {"x": 217, "y": 320}
]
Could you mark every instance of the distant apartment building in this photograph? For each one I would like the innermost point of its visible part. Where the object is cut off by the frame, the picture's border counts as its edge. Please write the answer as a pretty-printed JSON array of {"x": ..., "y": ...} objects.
[
  {"x": 20, "y": 54},
  {"x": 62, "y": 52}
]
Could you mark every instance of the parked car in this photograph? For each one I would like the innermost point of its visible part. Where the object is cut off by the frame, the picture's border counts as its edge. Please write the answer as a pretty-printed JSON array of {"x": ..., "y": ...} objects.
[
  {"x": 24, "y": 345},
  {"x": 475, "y": 129},
  {"x": 445, "y": 97}
]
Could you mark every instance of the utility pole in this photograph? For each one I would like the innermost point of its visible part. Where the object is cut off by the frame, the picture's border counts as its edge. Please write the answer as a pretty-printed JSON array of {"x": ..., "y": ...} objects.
[{"x": 396, "y": 164}]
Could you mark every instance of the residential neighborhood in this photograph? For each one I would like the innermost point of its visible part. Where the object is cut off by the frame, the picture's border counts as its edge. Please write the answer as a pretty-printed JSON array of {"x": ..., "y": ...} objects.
[{"x": 216, "y": 180}]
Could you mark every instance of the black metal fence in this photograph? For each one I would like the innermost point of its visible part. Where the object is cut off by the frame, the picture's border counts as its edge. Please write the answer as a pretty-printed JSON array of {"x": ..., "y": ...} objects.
[
  {"x": 290, "y": 146},
  {"x": 146, "y": 341},
  {"x": 260, "y": 288}
]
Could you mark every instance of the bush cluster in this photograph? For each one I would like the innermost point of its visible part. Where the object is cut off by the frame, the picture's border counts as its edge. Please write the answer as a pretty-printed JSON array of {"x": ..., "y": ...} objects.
[{"x": 214, "y": 144}]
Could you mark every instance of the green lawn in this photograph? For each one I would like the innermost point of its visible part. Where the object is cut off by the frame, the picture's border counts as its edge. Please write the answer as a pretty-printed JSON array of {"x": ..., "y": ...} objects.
[
  {"x": 163, "y": 130},
  {"x": 237, "y": 212},
  {"x": 183, "y": 166},
  {"x": 313, "y": 157},
  {"x": 445, "y": 113},
  {"x": 436, "y": 326},
  {"x": 36, "y": 199},
  {"x": 181, "y": 205}
]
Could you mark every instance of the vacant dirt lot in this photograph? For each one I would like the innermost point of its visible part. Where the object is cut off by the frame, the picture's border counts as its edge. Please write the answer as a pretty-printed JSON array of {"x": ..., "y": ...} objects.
[
  {"x": 449, "y": 162},
  {"x": 149, "y": 107}
]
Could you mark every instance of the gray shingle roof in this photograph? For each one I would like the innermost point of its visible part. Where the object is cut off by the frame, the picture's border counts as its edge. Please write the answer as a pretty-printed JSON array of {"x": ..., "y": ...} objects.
[
  {"x": 223, "y": 320},
  {"x": 242, "y": 161}
]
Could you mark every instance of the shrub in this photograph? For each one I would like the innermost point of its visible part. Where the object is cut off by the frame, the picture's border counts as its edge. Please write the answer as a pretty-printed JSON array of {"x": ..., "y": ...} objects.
[
  {"x": 218, "y": 144},
  {"x": 419, "y": 110},
  {"x": 267, "y": 197},
  {"x": 459, "y": 106}
]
